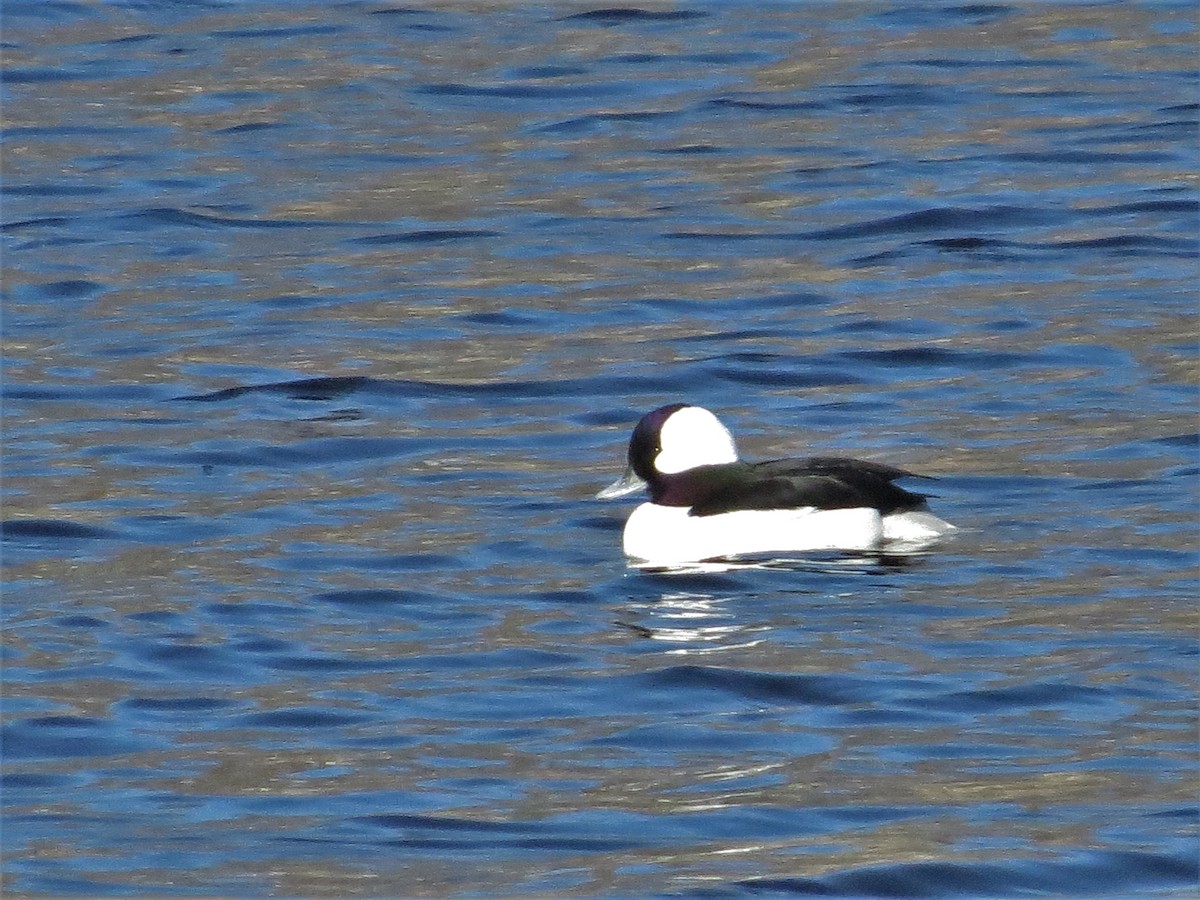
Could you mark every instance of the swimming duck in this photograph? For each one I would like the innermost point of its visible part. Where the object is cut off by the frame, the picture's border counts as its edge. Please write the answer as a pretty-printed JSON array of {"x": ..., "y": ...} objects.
[{"x": 705, "y": 503}]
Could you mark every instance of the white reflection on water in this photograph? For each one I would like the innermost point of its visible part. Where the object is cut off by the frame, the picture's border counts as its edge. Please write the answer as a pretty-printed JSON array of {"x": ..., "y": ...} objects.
[
  {"x": 694, "y": 617},
  {"x": 867, "y": 563}
]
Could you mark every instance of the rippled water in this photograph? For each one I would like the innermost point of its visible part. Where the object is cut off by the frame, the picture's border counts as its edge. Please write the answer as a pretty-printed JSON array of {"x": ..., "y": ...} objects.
[{"x": 322, "y": 324}]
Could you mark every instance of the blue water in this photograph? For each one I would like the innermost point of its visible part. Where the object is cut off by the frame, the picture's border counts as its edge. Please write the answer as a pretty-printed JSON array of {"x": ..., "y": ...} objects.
[{"x": 322, "y": 324}]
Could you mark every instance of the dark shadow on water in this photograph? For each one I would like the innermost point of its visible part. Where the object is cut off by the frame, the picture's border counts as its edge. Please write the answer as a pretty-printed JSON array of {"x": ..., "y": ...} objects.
[
  {"x": 1084, "y": 875},
  {"x": 52, "y": 529}
]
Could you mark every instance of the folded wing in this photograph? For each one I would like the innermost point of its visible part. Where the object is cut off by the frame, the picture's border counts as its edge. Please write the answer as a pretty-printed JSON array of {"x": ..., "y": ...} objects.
[{"x": 818, "y": 482}]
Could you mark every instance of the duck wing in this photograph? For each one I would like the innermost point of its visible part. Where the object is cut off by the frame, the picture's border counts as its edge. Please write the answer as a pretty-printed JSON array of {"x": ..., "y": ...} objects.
[
  {"x": 836, "y": 466},
  {"x": 819, "y": 482}
]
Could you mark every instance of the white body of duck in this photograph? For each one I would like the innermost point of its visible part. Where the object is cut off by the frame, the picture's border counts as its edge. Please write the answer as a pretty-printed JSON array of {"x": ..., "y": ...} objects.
[{"x": 707, "y": 504}]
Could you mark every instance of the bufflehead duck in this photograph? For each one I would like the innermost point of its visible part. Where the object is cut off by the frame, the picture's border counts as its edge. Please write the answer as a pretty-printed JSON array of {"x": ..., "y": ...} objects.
[{"x": 706, "y": 504}]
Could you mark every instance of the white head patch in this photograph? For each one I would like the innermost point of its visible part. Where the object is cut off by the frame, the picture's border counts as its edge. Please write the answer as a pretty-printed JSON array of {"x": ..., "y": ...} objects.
[{"x": 693, "y": 437}]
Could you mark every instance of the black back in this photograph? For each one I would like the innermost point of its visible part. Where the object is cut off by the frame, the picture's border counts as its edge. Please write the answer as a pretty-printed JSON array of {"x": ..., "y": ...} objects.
[{"x": 823, "y": 482}]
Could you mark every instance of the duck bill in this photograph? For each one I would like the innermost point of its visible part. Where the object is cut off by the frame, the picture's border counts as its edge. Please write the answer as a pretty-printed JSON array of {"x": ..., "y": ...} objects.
[{"x": 627, "y": 484}]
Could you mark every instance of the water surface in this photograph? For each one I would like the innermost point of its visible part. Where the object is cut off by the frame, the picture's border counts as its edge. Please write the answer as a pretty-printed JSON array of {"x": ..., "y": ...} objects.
[{"x": 323, "y": 323}]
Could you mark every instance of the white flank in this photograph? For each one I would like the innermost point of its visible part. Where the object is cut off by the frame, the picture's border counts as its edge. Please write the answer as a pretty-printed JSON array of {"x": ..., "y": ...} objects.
[
  {"x": 667, "y": 534},
  {"x": 913, "y": 530}
]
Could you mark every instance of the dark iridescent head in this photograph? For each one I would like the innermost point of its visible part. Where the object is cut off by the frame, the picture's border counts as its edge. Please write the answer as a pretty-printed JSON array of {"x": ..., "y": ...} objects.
[
  {"x": 645, "y": 444},
  {"x": 669, "y": 440}
]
